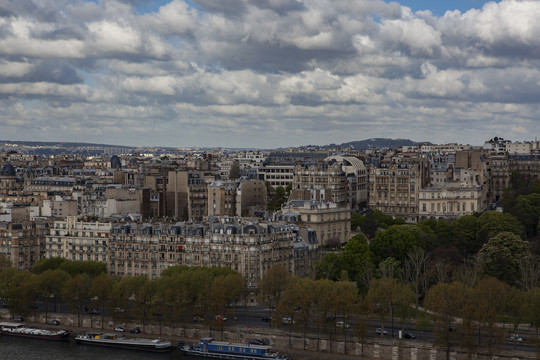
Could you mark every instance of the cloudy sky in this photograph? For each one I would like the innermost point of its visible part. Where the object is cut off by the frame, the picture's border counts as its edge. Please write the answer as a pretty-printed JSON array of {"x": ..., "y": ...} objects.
[{"x": 268, "y": 73}]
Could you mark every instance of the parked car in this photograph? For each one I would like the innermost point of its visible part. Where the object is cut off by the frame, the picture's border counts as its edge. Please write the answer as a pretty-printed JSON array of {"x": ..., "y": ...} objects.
[
  {"x": 265, "y": 341},
  {"x": 378, "y": 331},
  {"x": 119, "y": 329},
  {"x": 221, "y": 317},
  {"x": 135, "y": 331},
  {"x": 287, "y": 321},
  {"x": 19, "y": 319},
  {"x": 342, "y": 325},
  {"x": 54, "y": 322},
  {"x": 408, "y": 335},
  {"x": 198, "y": 318},
  {"x": 267, "y": 319},
  {"x": 256, "y": 342}
]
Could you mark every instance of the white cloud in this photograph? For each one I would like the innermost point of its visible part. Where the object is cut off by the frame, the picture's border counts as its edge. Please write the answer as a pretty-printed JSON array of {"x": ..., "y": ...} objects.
[{"x": 313, "y": 71}]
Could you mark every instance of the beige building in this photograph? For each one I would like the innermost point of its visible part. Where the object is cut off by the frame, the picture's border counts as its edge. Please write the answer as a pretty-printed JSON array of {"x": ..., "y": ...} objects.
[
  {"x": 78, "y": 240},
  {"x": 277, "y": 174},
  {"x": 222, "y": 198},
  {"x": 249, "y": 248},
  {"x": 22, "y": 242},
  {"x": 330, "y": 221},
  {"x": 187, "y": 195},
  {"x": 450, "y": 201},
  {"x": 394, "y": 187},
  {"x": 342, "y": 178}
]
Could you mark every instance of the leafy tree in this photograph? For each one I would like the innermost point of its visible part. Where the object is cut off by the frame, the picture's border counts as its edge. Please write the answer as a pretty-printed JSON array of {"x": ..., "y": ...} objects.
[
  {"x": 492, "y": 223},
  {"x": 465, "y": 230},
  {"x": 48, "y": 264},
  {"x": 380, "y": 297},
  {"x": 402, "y": 297},
  {"x": 21, "y": 293},
  {"x": 51, "y": 283},
  {"x": 516, "y": 305},
  {"x": 363, "y": 310},
  {"x": 501, "y": 257},
  {"x": 395, "y": 242},
  {"x": 487, "y": 300},
  {"x": 357, "y": 221},
  {"x": 75, "y": 293},
  {"x": 446, "y": 301},
  {"x": 355, "y": 254},
  {"x": 100, "y": 293},
  {"x": 527, "y": 210},
  {"x": 90, "y": 268},
  {"x": 273, "y": 284},
  {"x": 298, "y": 302},
  {"x": 5, "y": 263},
  {"x": 533, "y": 310}
]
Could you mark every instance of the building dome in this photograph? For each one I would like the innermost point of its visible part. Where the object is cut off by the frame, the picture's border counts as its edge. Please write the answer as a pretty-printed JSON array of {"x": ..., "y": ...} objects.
[
  {"x": 115, "y": 162},
  {"x": 8, "y": 170}
]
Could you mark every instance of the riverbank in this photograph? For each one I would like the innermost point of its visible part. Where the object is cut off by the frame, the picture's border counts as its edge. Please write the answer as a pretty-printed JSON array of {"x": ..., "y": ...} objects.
[{"x": 297, "y": 346}]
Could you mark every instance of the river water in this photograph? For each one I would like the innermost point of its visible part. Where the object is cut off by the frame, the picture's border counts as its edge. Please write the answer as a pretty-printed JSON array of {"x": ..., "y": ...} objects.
[{"x": 15, "y": 348}]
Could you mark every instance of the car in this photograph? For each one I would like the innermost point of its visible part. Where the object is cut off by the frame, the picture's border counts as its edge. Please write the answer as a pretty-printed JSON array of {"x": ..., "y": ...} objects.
[
  {"x": 95, "y": 312},
  {"x": 265, "y": 341},
  {"x": 515, "y": 337},
  {"x": 342, "y": 325},
  {"x": 378, "y": 331},
  {"x": 54, "y": 322},
  {"x": 221, "y": 318},
  {"x": 198, "y": 318},
  {"x": 19, "y": 319},
  {"x": 287, "y": 321},
  {"x": 408, "y": 335},
  {"x": 256, "y": 342},
  {"x": 135, "y": 331},
  {"x": 267, "y": 318},
  {"x": 119, "y": 329}
]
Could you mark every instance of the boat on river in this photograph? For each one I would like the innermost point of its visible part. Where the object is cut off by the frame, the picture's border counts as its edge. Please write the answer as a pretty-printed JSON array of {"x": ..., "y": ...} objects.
[
  {"x": 18, "y": 329},
  {"x": 112, "y": 340},
  {"x": 210, "y": 348}
]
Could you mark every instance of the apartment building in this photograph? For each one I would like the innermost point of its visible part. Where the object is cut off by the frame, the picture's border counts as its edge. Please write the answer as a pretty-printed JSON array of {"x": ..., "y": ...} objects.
[
  {"x": 78, "y": 240},
  {"x": 331, "y": 223},
  {"x": 187, "y": 195},
  {"x": 342, "y": 178},
  {"x": 394, "y": 187},
  {"x": 249, "y": 248},
  {"x": 22, "y": 242}
]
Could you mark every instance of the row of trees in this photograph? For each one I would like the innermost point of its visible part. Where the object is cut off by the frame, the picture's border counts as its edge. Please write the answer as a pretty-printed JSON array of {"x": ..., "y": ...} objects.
[
  {"x": 174, "y": 298},
  {"x": 457, "y": 313}
]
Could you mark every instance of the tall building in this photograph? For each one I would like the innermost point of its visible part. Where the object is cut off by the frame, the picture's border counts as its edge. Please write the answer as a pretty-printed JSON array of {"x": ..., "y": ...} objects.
[
  {"x": 186, "y": 195},
  {"x": 394, "y": 187},
  {"x": 343, "y": 177},
  {"x": 22, "y": 242}
]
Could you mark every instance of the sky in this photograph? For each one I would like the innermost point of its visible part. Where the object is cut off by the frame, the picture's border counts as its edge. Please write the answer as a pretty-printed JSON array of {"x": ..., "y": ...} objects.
[{"x": 268, "y": 73}]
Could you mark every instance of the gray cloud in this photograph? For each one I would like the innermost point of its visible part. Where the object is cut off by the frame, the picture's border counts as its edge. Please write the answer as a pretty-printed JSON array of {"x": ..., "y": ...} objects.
[{"x": 266, "y": 73}]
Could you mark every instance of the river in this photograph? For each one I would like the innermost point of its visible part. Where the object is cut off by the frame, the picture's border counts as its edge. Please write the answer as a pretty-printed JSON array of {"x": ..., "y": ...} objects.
[{"x": 15, "y": 348}]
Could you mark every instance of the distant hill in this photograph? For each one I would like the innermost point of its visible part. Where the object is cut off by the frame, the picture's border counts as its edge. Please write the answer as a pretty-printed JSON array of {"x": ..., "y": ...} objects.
[
  {"x": 380, "y": 143},
  {"x": 377, "y": 143}
]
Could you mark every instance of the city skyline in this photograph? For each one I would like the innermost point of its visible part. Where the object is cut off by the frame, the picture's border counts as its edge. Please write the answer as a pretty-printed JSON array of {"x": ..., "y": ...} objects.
[{"x": 268, "y": 74}]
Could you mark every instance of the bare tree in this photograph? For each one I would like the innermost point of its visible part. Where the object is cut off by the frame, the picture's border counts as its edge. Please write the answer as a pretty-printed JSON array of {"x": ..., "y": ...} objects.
[
  {"x": 529, "y": 269},
  {"x": 415, "y": 272},
  {"x": 468, "y": 273},
  {"x": 440, "y": 270}
]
